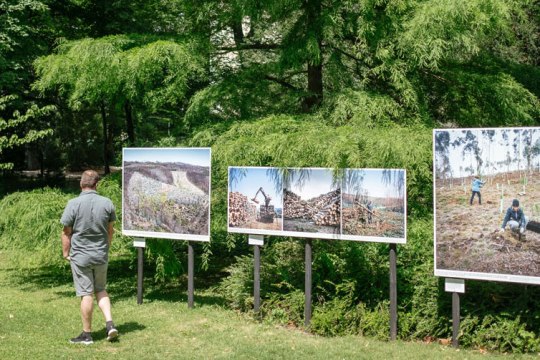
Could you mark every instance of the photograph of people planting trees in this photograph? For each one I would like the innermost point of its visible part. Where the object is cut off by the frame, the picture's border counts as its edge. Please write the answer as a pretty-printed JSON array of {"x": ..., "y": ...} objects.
[
  {"x": 255, "y": 200},
  {"x": 487, "y": 204},
  {"x": 166, "y": 192},
  {"x": 374, "y": 205}
]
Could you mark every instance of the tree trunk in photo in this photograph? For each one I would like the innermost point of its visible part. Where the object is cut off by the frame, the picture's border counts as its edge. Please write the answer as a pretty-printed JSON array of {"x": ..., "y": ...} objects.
[
  {"x": 106, "y": 158},
  {"x": 130, "y": 127}
]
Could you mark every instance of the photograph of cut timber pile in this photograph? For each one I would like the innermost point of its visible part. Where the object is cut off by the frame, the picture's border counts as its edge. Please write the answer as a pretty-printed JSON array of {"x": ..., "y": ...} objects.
[
  {"x": 311, "y": 201},
  {"x": 166, "y": 192},
  {"x": 255, "y": 201},
  {"x": 374, "y": 204},
  {"x": 487, "y": 203}
]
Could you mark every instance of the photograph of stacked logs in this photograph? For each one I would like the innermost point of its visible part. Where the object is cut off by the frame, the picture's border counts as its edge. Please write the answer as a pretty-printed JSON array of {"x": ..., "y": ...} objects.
[
  {"x": 240, "y": 210},
  {"x": 350, "y": 204},
  {"x": 311, "y": 203}
]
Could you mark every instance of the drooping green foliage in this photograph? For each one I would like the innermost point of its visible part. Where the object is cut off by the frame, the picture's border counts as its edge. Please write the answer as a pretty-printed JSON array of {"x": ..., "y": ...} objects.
[
  {"x": 30, "y": 222},
  {"x": 7, "y": 140}
]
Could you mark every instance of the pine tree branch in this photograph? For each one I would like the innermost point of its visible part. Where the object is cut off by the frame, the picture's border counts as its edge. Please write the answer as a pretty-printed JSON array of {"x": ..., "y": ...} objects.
[
  {"x": 254, "y": 46},
  {"x": 281, "y": 82}
]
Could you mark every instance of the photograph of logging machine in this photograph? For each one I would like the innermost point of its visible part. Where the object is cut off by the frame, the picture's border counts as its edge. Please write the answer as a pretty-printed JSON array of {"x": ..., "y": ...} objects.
[{"x": 344, "y": 204}]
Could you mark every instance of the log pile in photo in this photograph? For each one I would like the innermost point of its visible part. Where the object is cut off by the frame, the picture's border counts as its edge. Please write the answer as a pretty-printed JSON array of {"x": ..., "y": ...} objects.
[
  {"x": 294, "y": 207},
  {"x": 328, "y": 209},
  {"x": 359, "y": 214},
  {"x": 322, "y": 210},
  {"x": 240, "y": 210}
]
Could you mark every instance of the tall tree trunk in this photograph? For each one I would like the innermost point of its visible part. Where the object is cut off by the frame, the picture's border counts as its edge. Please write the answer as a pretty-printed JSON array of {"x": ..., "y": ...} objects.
[
  {"x": 315, "y": 68},
  {"x": 106, "y": 158},
  {"x": 129, "y": 123},
  {"x": 315, "y": 87}
]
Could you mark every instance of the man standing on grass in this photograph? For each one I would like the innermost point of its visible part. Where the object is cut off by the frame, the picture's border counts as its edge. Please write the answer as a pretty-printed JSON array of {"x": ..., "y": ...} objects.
[{"x": 88, "y": 229}]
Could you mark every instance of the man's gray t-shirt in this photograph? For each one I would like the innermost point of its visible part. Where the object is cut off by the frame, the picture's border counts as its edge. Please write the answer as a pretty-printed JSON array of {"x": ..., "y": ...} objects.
[{"x": 89, "y": 215}]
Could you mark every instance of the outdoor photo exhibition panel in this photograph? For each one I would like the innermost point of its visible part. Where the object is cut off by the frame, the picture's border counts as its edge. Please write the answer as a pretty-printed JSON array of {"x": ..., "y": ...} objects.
[
  {"x": 487, "y": 204},
  {"x": 166, "y": 193},
  {"x": 350, "y": 204}
]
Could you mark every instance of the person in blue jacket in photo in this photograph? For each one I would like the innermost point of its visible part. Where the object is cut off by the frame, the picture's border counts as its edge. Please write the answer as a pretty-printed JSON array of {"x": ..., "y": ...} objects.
[
  {"x": 515, "y": 218},
  {"x": 476, "y": 186}
]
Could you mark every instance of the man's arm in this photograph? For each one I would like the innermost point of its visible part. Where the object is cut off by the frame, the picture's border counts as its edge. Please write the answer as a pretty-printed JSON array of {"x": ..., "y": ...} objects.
[
  {"x": 110, "y": 232},
  {"x": 66, "y": 241}
]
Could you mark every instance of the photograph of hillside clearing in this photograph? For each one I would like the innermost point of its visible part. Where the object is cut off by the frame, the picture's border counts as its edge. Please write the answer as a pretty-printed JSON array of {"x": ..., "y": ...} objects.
[
  {"x": 166, "y": 191},
  {"x": 374, "y": 204},
  {"x": 479, "y": 175},
  {"x": 311, "y": 201},
  {"x": 255, "y": 199}
]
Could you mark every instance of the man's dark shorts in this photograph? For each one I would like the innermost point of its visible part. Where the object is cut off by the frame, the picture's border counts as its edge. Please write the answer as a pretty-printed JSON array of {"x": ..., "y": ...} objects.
[{"x": 89, "y": 279}]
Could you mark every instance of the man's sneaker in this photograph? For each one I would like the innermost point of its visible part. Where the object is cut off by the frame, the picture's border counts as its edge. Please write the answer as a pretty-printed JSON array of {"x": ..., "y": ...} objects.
[
  {"x": 85, "y": 338},
  {"x": 112, "y": 333}
]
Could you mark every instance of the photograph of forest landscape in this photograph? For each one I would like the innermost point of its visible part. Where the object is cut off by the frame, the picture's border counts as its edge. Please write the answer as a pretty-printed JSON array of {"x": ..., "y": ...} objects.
[
  {"x": 311, "y": 201},
  {"x": 255, "y": 200},
  {"x": 468, "y": 236},
  {"x": 357, "y": 84},
  {"x": 374, "y": 204},
  {"x": 166, "y": 191}
]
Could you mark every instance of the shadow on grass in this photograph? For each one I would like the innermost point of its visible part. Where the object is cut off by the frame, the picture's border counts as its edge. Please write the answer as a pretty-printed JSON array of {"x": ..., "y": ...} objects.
[
  {"x": 121, "y": 278},
  {"x": 121, "y": 283},
  {"x": 124, "y": 328},
  {"x": 179, "y": 294}
]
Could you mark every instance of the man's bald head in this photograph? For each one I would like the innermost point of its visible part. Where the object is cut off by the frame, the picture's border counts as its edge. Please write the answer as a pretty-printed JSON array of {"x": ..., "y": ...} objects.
[{"x": 89, "y": 179}]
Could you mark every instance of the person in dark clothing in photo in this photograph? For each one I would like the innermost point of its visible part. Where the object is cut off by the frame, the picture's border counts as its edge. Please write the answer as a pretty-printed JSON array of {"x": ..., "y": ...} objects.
[
  {"x": 370, "y": 212},
  {"x": 476, "y": 186},
  {"x": 86, "y": 238},
  {"x": 515, "y": 218}
]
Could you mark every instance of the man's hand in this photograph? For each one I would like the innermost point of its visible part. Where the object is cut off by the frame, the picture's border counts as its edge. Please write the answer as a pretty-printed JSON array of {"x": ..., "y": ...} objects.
[
  {"x": 521, "y": 230},
  {"x": 501, "y": 230},
  {"x": 68, "y": 258}
]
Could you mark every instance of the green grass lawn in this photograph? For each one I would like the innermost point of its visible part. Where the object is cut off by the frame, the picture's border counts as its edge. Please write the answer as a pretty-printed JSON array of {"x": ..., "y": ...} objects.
[{"x": 39, "y": 313}]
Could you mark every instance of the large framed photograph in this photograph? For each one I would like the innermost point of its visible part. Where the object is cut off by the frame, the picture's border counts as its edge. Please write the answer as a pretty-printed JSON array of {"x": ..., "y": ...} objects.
[
  {"x": 311, "y": 203},
  {"x": 350, "y": 204},
  {"x": 255, "y": 200},
  {"x": 166, "y": 193},
  {"x": 374, "y": 205},
  {"x": 487, "y": 204}
]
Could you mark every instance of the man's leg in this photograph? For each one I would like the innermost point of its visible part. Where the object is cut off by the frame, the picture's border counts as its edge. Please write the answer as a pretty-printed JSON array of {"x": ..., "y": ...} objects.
[
  {"x": 479, "y": 198},
  {"x": 104, "y": 304},
  {"x": 103, "y": 300},
  {"x": 87, "y": 307},
  {"x": 514, "y": 225}
]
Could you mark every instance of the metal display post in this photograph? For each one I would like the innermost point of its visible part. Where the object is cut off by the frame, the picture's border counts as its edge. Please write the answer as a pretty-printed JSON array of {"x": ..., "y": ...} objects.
[
  {"x": 307, "y": 304},
  {"x": 140, "y": 244},
  {"x": 393, "y": 292},
  {"x": 257, "y": 241},
  {"x": 456, "y": 287},
  {"x": 190, "y": 275},
  {"x": 455, "y": 319}
]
